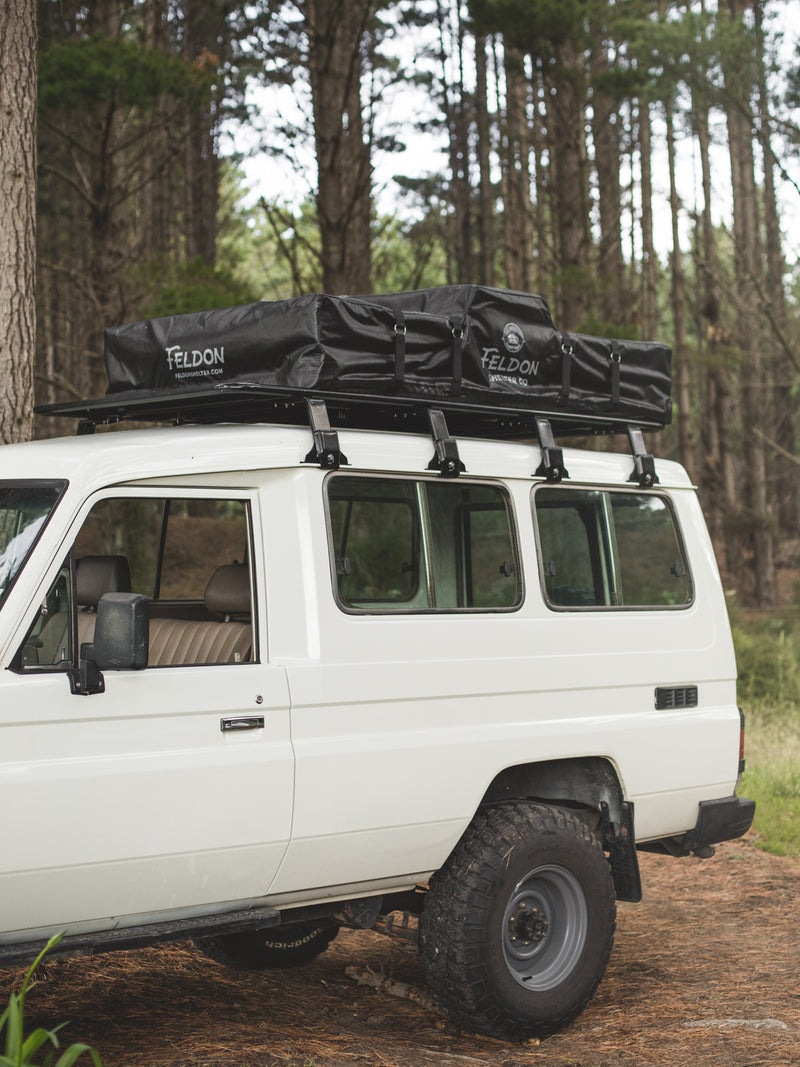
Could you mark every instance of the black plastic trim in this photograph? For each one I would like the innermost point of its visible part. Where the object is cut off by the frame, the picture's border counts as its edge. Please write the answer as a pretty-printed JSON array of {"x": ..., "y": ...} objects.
[
  {"x": 131, "y": 937},
  {"x": 719, "y": 820},
  {"x": 676, "y": 697}
]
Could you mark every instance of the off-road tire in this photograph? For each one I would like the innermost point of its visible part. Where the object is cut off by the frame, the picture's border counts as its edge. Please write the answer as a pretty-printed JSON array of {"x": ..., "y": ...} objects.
[
  {"x": 275, "y": 948},
  {"x": 518, "y": 925}
]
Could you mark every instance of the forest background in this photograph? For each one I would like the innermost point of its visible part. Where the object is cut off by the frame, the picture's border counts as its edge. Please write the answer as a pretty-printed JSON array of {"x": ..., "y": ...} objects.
[{"x": 630, "y": 160}]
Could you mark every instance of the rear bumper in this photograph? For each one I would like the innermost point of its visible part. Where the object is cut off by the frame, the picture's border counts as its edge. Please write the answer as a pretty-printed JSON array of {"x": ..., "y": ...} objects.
[
  {"x": 720, "y": 820},
  {"x": 717, "y": 820}
]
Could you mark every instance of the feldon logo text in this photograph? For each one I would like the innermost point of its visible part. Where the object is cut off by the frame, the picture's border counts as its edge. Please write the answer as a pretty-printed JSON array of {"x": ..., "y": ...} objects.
[
  {"x": 180, "y": 359},
  {"x": 494, "y": 362}
]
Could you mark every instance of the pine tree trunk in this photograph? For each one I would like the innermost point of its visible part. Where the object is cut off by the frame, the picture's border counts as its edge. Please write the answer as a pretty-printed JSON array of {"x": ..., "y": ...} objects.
[
  {"x": 678, "y": 302},
  {"x": 718, "y": 479},
  {"x": 747, "y": 261},
  {"x": 336, "y": 30},
  {"x": 157, "y": 218},
  {"x": 566, "y": 83},
  {"x": 18, "y": 47},
  {"x": 649, "y": 262},
  {"x": 543, "y": 241},
  {"x": 486, "y": 273},
  {"x": 517, "y": 209},
  {"x": 457, "y": 109},
  {"x": 614, "y": 301},
  {"x": 783, "y": 429},
  {"x": 204, "y": 33}
]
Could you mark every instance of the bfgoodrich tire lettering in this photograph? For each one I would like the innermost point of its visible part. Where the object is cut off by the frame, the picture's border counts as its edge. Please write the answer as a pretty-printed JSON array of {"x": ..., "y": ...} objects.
[
  {"x": 280, "y": 947},
  {"x": 518, "y": 925}
]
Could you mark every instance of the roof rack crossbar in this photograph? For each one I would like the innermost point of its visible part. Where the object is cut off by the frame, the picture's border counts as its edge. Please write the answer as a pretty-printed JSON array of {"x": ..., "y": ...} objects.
[
  {"x": 446, "y": 459},
  {"x": 552, "y": 466},
  {"x": 326, "y": 449},
  {"x": 644, "y": 466}
]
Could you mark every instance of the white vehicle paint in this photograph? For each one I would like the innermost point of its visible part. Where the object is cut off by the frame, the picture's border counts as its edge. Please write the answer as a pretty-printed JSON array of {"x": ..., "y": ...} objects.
[{"x": 365, "y": 732}]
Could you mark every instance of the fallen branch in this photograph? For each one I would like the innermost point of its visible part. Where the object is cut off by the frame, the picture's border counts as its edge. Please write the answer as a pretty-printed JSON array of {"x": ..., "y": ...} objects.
[{"x": 370, "y": 978}]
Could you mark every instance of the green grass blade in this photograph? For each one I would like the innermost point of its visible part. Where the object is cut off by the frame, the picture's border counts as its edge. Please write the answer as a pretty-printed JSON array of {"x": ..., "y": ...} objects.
[
  {"x": 70, "y": 1055},
  {"x": 34, "y": 1042},
  {"x": 13, "y": 1027}
]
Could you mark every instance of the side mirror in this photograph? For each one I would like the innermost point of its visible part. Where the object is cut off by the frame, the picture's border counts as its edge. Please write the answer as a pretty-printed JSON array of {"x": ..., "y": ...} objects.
[{"x": 121, "y": 639}]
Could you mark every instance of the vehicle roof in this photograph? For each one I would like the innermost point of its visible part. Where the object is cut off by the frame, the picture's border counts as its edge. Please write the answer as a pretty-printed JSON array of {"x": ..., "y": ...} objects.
[{"x": 136, "y": 456}]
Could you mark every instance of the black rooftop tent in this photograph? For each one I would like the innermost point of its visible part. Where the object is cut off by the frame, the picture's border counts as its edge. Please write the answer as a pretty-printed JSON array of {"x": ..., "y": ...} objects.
[{"x": 490, "y": 360}]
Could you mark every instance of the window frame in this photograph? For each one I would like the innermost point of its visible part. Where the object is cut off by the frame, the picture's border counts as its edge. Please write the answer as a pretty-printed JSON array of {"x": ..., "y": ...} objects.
[
  {"x": 420, "y": 539},
  {"x": 426, "y": 576},
  {"x": 609, "y": 539},
  {"x": 249, "y": 500},
  {"x": 60, "y": 485}
]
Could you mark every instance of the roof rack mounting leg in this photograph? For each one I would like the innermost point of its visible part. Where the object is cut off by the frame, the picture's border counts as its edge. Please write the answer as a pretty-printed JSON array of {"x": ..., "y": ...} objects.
[
  {"x": 326, "y": 449},
  {"x": 644, "y": 466},
  {"x": 446, "y": 459},
  {"x": 84, "y": 427},
  {"x": 552, "y": 466}
]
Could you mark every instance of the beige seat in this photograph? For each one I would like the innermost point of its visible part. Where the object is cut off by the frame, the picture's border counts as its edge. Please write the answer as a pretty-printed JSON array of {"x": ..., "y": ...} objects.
[
  {"x": 176, "y": 642},
  {"x": 94, "y": 576}
]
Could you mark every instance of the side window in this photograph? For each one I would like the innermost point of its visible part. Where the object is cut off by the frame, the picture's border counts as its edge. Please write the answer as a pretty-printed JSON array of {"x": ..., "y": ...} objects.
[
  {"x": 473, "y": 556},
  {"x": 375, "y": 527},
  {"x": 172, "y": 546},
  {"x": 418, "y": 545},
  {"x": 652, "y": 568},
  {"x": 49, "y": 643},
  {"x": 125, "y": 528},
  {"x": 189, "y": 556},
  {"x": 605, "y": 549}
]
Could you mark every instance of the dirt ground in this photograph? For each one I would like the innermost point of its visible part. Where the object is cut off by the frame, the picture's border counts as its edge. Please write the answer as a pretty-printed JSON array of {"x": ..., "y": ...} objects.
[{"x": 704, "y": 973}]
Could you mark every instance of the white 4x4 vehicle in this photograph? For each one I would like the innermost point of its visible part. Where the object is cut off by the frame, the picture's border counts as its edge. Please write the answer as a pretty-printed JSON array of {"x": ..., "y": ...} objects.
[{"x": 259, "y": 682}]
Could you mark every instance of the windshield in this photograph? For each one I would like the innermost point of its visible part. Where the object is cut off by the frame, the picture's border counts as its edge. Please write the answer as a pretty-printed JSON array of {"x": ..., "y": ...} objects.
[{"x": 25, "y": 508}]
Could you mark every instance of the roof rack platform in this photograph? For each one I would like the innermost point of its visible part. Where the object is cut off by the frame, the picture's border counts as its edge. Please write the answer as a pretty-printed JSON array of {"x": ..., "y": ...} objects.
[{"x": 242, "y": 402}]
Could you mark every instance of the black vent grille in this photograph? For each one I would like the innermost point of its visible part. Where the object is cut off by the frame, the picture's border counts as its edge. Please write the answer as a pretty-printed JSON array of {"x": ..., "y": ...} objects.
[{"x": 683, "y": 696}]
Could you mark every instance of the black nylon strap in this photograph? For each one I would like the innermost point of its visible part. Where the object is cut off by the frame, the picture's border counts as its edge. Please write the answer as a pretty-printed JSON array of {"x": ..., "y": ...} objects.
[
  {"x": 399, "y": 347},
  {"x": 566, "y": 367},
  {"x": 457, "y": 332},
  {"x": 616, "y": 361}
]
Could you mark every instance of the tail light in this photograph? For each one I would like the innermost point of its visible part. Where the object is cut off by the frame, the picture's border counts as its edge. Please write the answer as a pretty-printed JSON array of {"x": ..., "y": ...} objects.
[{"x": 741, "y": 749}]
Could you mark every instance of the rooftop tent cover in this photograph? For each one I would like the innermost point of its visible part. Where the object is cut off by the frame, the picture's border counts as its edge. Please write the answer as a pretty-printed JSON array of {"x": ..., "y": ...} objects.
[{"x": 490, "y": 347}]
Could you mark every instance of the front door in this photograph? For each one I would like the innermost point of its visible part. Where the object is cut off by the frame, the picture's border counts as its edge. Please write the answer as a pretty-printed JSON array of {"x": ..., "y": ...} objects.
[{"x": 170, "y": 793}]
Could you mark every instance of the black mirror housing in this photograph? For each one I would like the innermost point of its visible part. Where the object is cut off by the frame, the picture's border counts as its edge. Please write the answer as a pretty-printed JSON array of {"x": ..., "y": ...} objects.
[
  {"x": 121, "y": 642},
  {"x": 121, "y": 634}
]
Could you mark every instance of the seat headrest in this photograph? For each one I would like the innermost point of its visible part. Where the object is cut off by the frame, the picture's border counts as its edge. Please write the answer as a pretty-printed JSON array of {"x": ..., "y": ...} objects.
[
  {"x": 96, "y": 575},
  {"x": 228, "y": 590}
]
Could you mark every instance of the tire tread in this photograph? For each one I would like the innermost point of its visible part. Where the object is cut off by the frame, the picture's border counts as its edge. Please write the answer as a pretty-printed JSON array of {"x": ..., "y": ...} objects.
[{"x": 452, "y": 924}]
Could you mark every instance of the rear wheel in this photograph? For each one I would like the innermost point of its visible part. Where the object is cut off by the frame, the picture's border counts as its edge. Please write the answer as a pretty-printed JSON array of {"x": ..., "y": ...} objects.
[
  {"x": 518, "y": 925},
  {"x": 279, "y": 947}
]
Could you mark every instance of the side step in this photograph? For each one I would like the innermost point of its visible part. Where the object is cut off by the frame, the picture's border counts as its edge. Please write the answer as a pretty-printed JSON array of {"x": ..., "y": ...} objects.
[{"x": 141, "y": 936}]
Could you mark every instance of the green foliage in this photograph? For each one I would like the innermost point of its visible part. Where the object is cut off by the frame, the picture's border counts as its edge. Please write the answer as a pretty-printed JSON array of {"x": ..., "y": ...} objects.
[
  {"x": 76, "y": 74},
  {"x": 533, "y": 25},
  {"x": 408, "y": 254},
  {"x": 622, "y": 331},
  {"x": 772, "y": 777},
  {"x": 274, "y": 250},
  {"x": 768, "y": 660},
  {"x": 22, "y": 1051},
  {"x": 196, "y": 287}
]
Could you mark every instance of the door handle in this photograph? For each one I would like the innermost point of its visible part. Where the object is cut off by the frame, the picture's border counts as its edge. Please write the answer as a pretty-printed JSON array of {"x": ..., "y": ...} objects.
[{"x": 242, "y": 722}]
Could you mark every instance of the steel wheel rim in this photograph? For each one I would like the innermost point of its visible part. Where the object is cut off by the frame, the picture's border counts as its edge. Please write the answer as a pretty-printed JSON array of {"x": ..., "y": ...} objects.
[{"x": 544, "y": 927}]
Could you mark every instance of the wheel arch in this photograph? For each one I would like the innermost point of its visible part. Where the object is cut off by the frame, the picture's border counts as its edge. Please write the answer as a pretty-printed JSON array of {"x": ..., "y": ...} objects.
[{"x": 590, "y": 787}]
